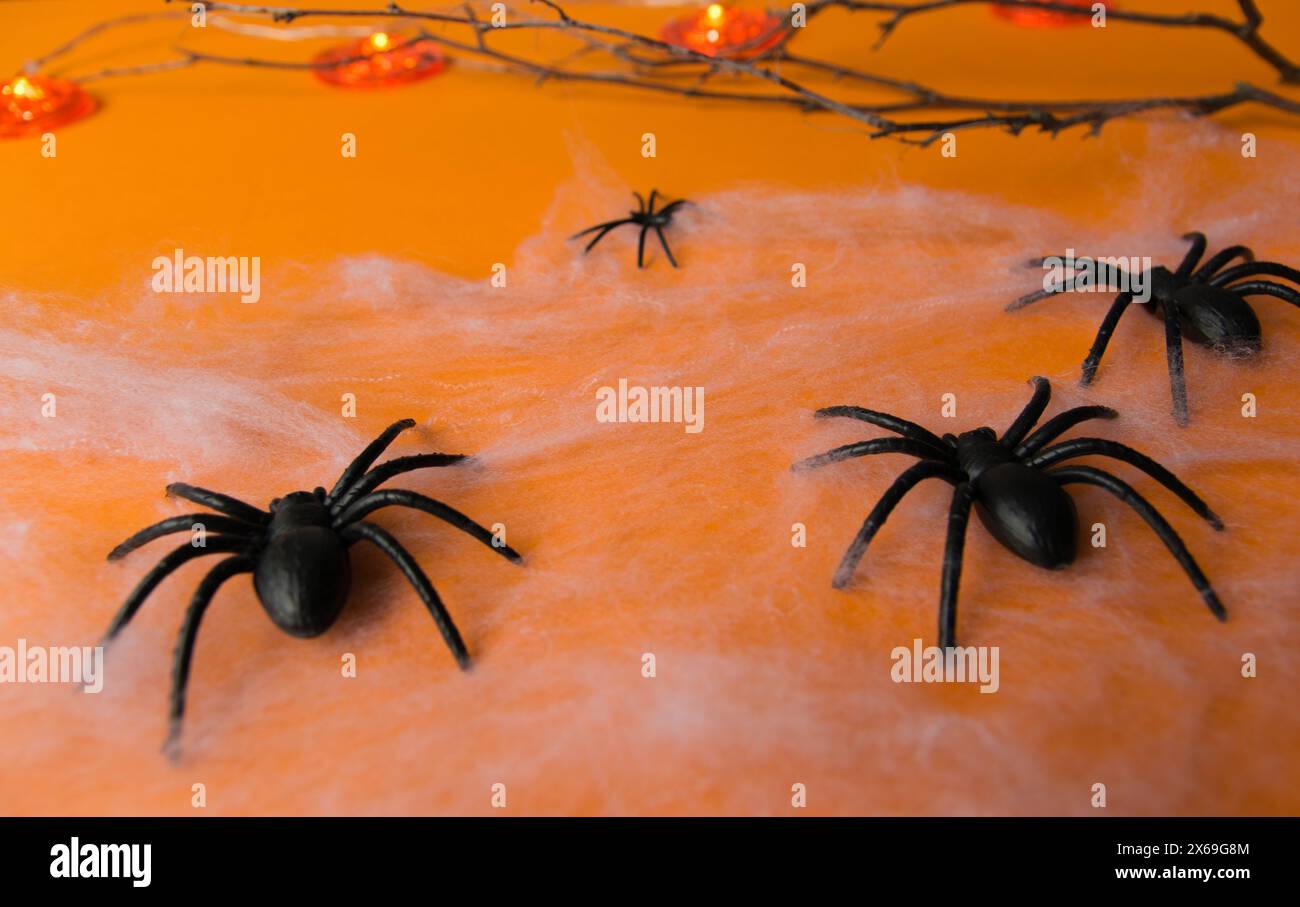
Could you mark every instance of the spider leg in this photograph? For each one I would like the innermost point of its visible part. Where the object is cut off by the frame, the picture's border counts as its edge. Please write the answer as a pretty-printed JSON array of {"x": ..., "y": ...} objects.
[
  {"x": 1174, "y": 356},
  {"x": 184, "y": 654},
  {"x": 601, "y": 235},
  {"x": 958, "y": 516},
  {"x": 1193, "y": 254},
  {"x": 1065, "y": 286},
  {"x": 1207, "y": 269},
  {"x": 865, "y": 448},
  {"x": 1032, "y": 412},
  {"x": 1112, "y": 272},
  {"x": 220, "y": 502},
  {"x": 1081, "y": 447},
  {"x": 400, "y": 498},
  {"x": 367, "y": 457},
  {"x": 601, "y": 226},
  {"x": 1113, "y": 277},
  {"x": 650, "y": 206},
  {"x": 227, "y": 526},
  {"x": 400, "y": 556},
  {"x": 1255, "y": 269},
  {"x": 884, "y": 420},
  {"x": 160, "y": 571},
  {"x": 640, "y": 246},
  {"x": 1267, "y": 288},
  {"x": 1059, "y": 424},
  {"x": 389, "y": 468},
  {"x": 640, "y": 202},
  {"x": 884, "y": 507},
  {"x": 1099, "y": 343},
  {"x": 664, "y": 242},
  {"x": 1090, "y": 476},
  {"x": 669, "y": 208}
]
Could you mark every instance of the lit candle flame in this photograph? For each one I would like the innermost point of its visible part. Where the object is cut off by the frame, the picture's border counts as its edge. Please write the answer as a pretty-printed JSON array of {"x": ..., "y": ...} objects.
[
  {"x": 23, "y": 89},
  {"x": 380, "y": 59},
  {"x": 718, "y": 30},
  {"x": 35, "y": 103}
]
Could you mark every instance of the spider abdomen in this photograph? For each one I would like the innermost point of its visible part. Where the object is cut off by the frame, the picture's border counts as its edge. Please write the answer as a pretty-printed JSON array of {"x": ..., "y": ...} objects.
[
  {"x": 1215, "y": 317},
  {"x": 303, "y": 573},
  {"x": 1029, "y": 513}
]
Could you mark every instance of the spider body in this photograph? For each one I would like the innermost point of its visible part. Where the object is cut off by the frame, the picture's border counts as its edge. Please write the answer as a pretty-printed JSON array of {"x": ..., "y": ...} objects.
[
  {"x": 1028, "y": 512},
  {"x": 298, "y": 553},
  {"x": 1208, "y": 315},
  {"x": 645, "y": 217},
  {"x": 303, "y": 574},
  {"x": 1207, "y": 306},
  {"x": 1007, "y": 481}
]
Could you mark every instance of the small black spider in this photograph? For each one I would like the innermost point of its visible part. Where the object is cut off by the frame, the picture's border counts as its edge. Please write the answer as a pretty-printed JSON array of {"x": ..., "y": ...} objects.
[
  {"x": 1201, "y": 306},
  {"x": 645, "y": 217},
  {"x": 297, "y": 552},
  {"x": 1019, "y": 501}
]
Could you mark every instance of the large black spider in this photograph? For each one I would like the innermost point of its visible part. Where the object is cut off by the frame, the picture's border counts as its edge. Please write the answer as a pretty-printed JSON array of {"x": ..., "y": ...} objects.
[
  {"x": 645, "y": 217},
  {"x": 297, "y": 552},
  {"x": 1200, "y": 306},
  {"x": 1019, "y": 500}
]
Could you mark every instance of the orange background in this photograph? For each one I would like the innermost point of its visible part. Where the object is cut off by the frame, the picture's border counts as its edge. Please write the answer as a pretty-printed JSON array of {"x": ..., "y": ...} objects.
[{"x": 639, "y": 538}]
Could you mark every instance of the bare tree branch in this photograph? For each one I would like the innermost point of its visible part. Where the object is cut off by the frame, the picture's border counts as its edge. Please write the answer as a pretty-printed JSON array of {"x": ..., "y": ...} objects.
[
  {"x": 1245, "y": 31},
  {"x": 645, "y": 63}
]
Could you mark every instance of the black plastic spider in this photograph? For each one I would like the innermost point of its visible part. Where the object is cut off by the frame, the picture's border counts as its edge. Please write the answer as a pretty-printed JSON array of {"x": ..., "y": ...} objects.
[
  {"x": 645, "y": 217},
  {"x": 1019, "y": 500},
  {"x": 297, "y": 552},
  {"x": 1201, "y": 306}
]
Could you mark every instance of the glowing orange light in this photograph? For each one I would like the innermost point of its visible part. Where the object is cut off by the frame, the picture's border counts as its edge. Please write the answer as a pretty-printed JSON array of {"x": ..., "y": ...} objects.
[
  {"x": 719, "y": 31},
  {"x": 32, "y": 104},
  {"x": 379, "y": 61},
  {"x": 1047, "y": 18}
]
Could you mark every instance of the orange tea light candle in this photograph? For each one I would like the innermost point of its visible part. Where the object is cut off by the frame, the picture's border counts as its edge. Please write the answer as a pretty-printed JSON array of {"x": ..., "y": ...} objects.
[
  {"x": 1047, "y": 18},
  {"x": 32, "y": 104},
  {"x": 381, "y": 60},
  {"x": 720, "y": 31}
]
